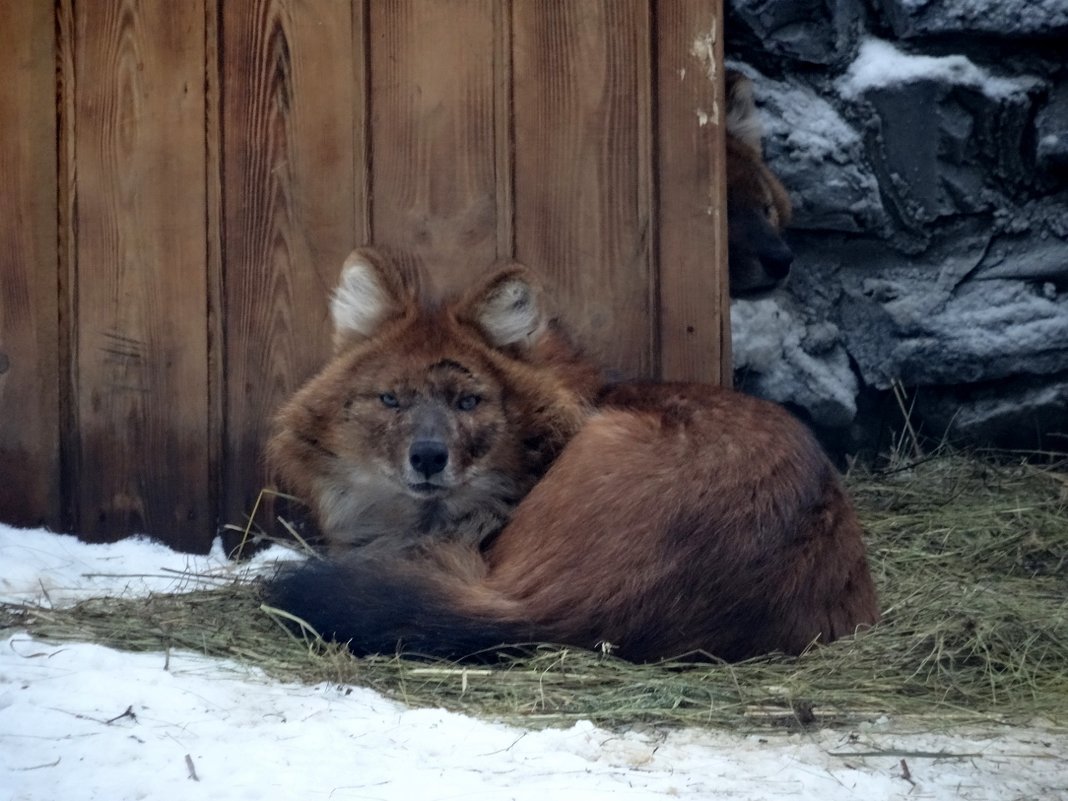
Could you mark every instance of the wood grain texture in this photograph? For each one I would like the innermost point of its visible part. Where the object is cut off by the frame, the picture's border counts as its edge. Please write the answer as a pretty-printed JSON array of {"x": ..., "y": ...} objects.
[
  {"x": 66, "y": 197},
  {"x": 173, "y": 227},
  {"x": 694, "y": 310},
  {"x": 214, "y": 254},
  {"x": 288, "y": 118},
  {"x": 29, "y": 319},
  {"x": 361, "y": 120},
  {"x": 141, "y": 346},
  {"x": 583, "y": 185},
  {"x": 435, "y": 106}
]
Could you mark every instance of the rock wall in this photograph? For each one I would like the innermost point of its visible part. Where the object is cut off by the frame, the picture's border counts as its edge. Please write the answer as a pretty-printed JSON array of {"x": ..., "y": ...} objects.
[{"x": 925, "y": 146}]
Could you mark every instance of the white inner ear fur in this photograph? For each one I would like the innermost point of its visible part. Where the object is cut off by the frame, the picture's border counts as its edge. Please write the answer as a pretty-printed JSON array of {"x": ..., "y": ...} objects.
[
  {"x": 511, "y": 314},
  {"x": 743, "y": 119},
  {"x": 360, "y": 303}
]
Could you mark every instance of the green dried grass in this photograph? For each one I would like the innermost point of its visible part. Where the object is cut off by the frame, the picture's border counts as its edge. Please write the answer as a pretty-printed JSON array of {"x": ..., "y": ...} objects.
[{"x": 970, "y": 556}]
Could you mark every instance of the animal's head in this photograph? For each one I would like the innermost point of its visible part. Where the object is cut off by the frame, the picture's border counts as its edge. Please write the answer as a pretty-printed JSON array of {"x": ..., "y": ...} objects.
[
  {"x": 758, "y": 207},
  {"x": 429, "y": 410}
]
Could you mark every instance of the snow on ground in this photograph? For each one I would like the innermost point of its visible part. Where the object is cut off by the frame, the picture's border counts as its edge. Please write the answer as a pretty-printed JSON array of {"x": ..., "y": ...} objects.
[{"x": 80, "y": 721}]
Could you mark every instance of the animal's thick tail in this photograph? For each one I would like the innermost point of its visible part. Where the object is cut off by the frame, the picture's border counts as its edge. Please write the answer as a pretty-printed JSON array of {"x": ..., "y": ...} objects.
[{"x": 405, "y": 606}]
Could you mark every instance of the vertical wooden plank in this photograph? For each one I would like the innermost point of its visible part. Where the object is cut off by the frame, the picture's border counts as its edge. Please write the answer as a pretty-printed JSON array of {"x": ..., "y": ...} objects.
[
  {"x": 361, "y": 122},
  {"x": 69, "y": 445},
  {"x": 583, "y": 185},
  {"x": 694, "y": 305},
  {"x": 141, "y": 335},
  {"x": 66, "y": 175},
  {"x": 214, "y": 254},
  {"x": 504, "y": 141},
  {"x": 288, "y": 209},
  {"x": 435, "y": 103},
  {"x": 29, "y": 341}
]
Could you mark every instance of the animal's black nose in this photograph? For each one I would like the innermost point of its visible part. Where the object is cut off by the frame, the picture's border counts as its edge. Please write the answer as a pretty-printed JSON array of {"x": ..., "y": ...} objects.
[
  {"x": 428, "y": 457},
  {"x": 777, "y": 262}
]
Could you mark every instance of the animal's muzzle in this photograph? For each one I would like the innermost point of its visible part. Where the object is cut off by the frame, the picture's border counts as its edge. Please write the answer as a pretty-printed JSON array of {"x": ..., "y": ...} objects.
[
  {"x": 776, "y": 261},
  {"x": 428, "y": 457}
]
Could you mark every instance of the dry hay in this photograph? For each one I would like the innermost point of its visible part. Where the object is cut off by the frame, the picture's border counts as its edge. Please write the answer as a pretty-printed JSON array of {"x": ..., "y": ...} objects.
[{"x": 970, "y": 556}]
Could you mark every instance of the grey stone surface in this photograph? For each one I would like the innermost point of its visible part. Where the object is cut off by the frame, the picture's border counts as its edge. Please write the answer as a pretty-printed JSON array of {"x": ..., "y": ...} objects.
[
  {"x": 1003, "y": 18},
  {"x": 820, "y": 156},
  {"x": 1011, "y": 414},
  {"x": 930, "y": 179},
  {"x": 817, "y": 31},
  {"x": 946, "y": 150},
  {"x": 1051, "y": 129},
  {"x": 984, "y": 331},
  {"x": 1039, "y": 252}
]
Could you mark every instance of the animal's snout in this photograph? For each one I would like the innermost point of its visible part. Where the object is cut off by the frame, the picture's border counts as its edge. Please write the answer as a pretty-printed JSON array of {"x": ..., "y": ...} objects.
[
  {"x": 428, "y": 457},
  {"x": 776, "y": 262}
]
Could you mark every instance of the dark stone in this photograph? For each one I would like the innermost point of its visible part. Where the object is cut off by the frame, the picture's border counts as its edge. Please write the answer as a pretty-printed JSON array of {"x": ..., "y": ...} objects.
[
  {"x": 1051, "y": 132},
  {"x": 816, "y": 31},
  {"x": 1022, "y": 413},
  {"x": 1002, "y": 18},
  {"x": 931, "y": 217},
  {"x": 947, "y": 150}
]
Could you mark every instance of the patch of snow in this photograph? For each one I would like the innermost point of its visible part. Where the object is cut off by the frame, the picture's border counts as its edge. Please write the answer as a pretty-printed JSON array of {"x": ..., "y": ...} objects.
[
  {"x": 879, "y": 65},
  {"x": 84, "y": 722},
  {"x": 795, "y": 362},
  {"x": 55, "y": 569}
]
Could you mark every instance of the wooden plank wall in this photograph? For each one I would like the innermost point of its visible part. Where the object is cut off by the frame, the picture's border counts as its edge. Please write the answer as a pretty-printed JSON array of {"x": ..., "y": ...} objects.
[
  {"x": 140, "y": 277},
  {"x": 29, "y": 270},
  {"x": 584, "y": 191},
  {"x": 180, "y": 182},
  {"x": 289, "y": 198}
]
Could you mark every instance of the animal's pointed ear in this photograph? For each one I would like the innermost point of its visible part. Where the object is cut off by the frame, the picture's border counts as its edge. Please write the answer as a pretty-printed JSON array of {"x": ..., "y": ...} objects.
[
  {"x": 743, "y": 119},
  {"x": 372, "y": 290},
  {"x": 508, "y": 308}
]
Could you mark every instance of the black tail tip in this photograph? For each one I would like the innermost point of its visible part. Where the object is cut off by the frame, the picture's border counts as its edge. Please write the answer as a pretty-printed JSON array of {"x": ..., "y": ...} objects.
[
  {"x": 375, "y": 607},
  {"x": 308, "y": 594}
]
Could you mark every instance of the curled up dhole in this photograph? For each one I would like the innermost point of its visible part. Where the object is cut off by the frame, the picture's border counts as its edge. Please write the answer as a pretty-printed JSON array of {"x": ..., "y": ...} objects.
[{"x": 479, "y": 489}]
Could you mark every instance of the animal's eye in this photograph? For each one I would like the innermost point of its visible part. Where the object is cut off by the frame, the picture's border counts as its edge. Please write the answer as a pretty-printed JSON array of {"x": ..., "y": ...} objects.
[
  {"x": 468, "y": 402},
  {"x": 389, "y": 400}
]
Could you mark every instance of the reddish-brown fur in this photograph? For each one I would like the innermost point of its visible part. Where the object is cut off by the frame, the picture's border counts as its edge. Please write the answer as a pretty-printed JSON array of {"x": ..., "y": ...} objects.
[
  {"x": 683, "y": 519},
  {"x": 678, "y": 520}
]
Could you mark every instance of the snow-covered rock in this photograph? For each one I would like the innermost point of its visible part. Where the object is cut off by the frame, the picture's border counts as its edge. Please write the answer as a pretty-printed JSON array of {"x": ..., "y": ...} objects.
[
  {"x": 925, "y": 147},
  {"x": 907, "y": 330},
  {"x": 782, "y": 356},
  {"x": 820, "y": 156},
  {"x": 1008, "y": 18}
]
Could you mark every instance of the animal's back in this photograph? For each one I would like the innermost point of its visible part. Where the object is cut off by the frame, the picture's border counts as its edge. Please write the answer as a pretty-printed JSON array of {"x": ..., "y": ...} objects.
[{"x": 687, "y": 518}]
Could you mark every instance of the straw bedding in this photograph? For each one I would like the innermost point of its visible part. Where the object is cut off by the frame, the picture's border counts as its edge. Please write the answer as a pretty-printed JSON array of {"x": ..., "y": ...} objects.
[{"x": 970, "y": 556}]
